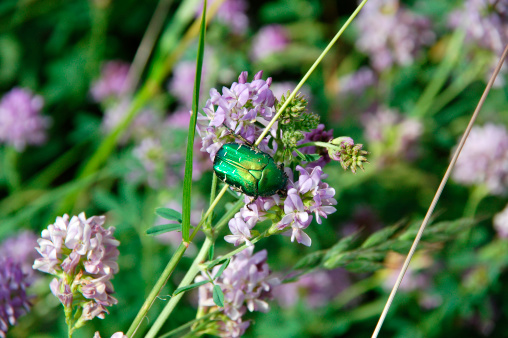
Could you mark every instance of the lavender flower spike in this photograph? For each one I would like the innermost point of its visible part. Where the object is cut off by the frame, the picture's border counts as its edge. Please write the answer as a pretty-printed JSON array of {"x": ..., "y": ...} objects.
[
  {"x": 21, "y": 123},
  {"x": 82, "y": 255},
  {"x": 13, "y": 299}
]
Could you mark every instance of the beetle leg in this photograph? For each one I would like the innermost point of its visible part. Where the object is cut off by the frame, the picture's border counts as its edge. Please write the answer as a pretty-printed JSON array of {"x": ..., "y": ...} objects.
[{"x": 232, "y": 132}]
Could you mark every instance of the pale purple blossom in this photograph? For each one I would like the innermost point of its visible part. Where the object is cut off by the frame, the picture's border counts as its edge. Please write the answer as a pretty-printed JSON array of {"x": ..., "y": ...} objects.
[
  {"x": 391, "y": 34},
  {"x": 113, "y": 82},
  {"x": 486, "y": 25},
  {"x": 181, "y": 85},
  {"x": 238, "y": 108},
  {"x": 269, "y": 39},
  {"x": 484, "y": 159},
  {"x": 21, "y": 122},
  {"x": 13, "y": 298},
  {"x": 80, "y": 252},
  {"x": 246, "y": 284},
  {"x": 392, "y": 136},
  {"x": 231, "y": 13},
  {"x": 357, "y": 82},
  {"x": 501, "y": 223},
  {"x": 21, "y": 249},
  {"x": 240, "y": 232}
]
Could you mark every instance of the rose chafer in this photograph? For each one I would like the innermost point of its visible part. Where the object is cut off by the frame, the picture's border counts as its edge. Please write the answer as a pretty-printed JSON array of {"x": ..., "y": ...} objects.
[{"x": 249, "y": 170}]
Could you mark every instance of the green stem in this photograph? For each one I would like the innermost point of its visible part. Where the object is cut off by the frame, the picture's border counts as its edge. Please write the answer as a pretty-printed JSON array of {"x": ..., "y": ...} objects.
[
  {"x": 213, "y": 263},
  {"x": 457, "y": 87},
  {"x": 309, "y": 72},
  {"x": 192, "y": 272},
  {"x": 189, "y": 324},
  {"x": 156, "y": 289},
  {"x": 10, "y": 169},
  {"x": 478, "y": 193},
  {"x": 442, "y": 73}
]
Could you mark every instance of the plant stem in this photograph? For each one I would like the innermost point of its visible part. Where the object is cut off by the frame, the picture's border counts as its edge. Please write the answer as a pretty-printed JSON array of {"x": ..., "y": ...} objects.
[
  {"x": 188, "y": 324},
  {"x": 156, "y": 289},
  {"x": 192, "y": 272},
  {"x": 309, "y": 72},
  {"x": 442, "y": 73}
]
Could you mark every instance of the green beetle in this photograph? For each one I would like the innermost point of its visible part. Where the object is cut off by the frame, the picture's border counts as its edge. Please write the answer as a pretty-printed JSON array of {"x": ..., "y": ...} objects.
[{"x": 249, "y": 170}]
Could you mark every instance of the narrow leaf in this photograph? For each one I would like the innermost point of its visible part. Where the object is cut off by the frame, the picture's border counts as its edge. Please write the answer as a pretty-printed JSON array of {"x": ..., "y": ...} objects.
[
  {"x": 163, "y": 228},
  {"x": 222, "y": 268},
  {"x": 187, "y": 181},
  {"x": 379, "y": 236},
  {"x": 218, "y": 296},
  {"x": 170, "y": 214},
  {"x": 190, "y": 287},
  {"x": 311, "y": 260}
]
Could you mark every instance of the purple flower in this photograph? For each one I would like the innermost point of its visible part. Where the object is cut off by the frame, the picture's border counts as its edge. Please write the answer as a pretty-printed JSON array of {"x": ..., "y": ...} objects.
[
  {"x": 246, "y": 284},
  {"x": 231, "y": 13},
  {"x": 21, "y": 123},
  {"x": 484, "y": 159},
  {"x": 20, "y": 248},
  {"x": 484, "y": 22},
  {"x": 239, "y": 108},
  {"x": 269, "y": 40},
  {"x": 392, "y": 136},
  {"x": 112, "y": 83},
  {"x": 82, "y": 255},
  {"x": 296, "y": 217},
  {"x": 240, "y": 232},
  {"x": 317, "y": 135},
  {"x": 501, "y": 223},
  {"x": 181, "y": 84},
  {"x": 391, "y": 34},
  {"x": 357, "y": 82},
  {"x": 13, "y": 298}
]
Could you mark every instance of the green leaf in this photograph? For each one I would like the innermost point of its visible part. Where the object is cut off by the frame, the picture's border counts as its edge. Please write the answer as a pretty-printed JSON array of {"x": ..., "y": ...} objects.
[
  {"x": 343, "y": 245},
  {"x": 218, "y": 296},
  {"x": 363, "y": 266},
  {"x": 187, "y": 180},
  {"x": 170, "y": 214},
  {"x": 163, "y": 228},
  {"x": 311, "y": 260},
  {"x": 379, "y": 236},
  {"x": 222, "y": 268},
  {"x": 190, "y": 287},
  {"x": 311, "y": 157}
]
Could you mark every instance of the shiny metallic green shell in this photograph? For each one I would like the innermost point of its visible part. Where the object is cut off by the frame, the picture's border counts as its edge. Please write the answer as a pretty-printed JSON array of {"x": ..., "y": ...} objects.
[{"x": 249, "y": 170}]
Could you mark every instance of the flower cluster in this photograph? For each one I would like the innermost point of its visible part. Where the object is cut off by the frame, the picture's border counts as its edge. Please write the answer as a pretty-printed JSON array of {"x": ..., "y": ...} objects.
[
  {"x": 13, "y": 298},
  {"x": 232, "y": 13},
  {"x": 20, "y": 248},
  {"x": 113, "y": 82},
  {"x": 246, "y": 284},
  {"x": 484, "y": 159},
  {"x": 82, "y": 255},
  {"x": 484, "y": 22},
  {"x": 307, "y": 196},
  {"x": 237, "y": 108},
  {"x": 391, "y": 34},
  {"x": 357, "y": 82},
  {"x": 21, "y": 122},
  {"x": 269, "y": 40},
  {"x": 486, "y": 26},
  {"x": 392, "y": 136}
]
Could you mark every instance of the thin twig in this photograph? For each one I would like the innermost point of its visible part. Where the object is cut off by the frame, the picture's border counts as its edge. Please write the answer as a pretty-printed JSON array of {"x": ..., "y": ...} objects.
[{"x": 438, "y": 194}]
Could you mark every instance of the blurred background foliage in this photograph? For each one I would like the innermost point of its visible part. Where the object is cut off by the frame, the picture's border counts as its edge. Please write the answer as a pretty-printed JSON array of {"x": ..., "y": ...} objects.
[{"x": 57, "y": 49}]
